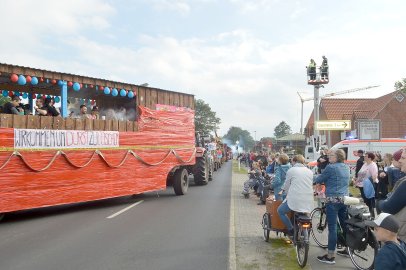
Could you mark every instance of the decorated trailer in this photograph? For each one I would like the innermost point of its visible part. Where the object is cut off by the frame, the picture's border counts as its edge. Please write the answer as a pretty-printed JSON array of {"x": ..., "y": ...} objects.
[{"x": 47, "y": 161}]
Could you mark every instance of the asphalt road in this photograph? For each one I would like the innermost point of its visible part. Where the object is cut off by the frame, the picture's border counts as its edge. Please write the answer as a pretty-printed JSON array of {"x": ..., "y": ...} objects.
[{"x": 165, "y": 232}]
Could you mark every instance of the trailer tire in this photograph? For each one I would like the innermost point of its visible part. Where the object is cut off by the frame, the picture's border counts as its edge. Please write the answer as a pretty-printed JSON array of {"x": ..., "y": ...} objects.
[
  {"x": 201, "y": 171},
  {"x": 181, "y": 181},
  {"x": 2, "y": 216}
]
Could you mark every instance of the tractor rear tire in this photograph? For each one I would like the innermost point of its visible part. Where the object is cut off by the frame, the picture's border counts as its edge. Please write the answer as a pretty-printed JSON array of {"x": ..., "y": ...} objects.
[
  {"x": 201, "y": 171},
  {"x": 181, "y": 182}
]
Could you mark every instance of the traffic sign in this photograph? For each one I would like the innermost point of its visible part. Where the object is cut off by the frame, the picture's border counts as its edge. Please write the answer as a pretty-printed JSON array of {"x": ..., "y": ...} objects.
[{"x": 333, "y": 125}]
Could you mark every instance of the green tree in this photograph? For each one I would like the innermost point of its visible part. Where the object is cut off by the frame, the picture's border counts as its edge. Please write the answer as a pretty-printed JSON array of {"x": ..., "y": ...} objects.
[
  {"x": 243, "y": 137},
  {"x": 205, "y": 119},
  {"x": 282, "y": 130},
  {"x": 401, "y": 85}
]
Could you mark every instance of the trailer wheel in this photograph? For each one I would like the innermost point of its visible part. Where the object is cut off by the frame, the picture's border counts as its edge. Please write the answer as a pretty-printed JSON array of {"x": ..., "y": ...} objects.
[
  {"x": 2, "y": 216},
  {"x": 181, "y": 182},
  {"x": 201, "y": 170}
]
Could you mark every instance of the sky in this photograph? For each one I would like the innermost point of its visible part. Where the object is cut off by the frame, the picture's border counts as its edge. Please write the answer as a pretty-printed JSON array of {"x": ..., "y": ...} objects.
[{"x": 245, "y": 58}]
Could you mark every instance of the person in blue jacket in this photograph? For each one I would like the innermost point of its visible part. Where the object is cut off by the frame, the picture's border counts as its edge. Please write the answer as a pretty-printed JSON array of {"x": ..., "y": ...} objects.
[
  {"x": 392, "y": 254},
  {"x": 280, "y": 175},
  {"x": 336, "y": 178}
]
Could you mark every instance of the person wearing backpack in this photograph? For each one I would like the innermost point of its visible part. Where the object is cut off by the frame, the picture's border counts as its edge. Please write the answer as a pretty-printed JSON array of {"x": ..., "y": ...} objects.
[{"x": 392, "y": 254}]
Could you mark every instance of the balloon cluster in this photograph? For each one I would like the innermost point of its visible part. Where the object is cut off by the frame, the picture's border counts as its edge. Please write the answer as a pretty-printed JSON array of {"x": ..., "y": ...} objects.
[{"x": 23, "y": 80}]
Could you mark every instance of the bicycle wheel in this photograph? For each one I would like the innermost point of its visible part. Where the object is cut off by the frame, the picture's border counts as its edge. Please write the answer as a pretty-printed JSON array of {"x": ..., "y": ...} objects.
[
  {"x": 319, "y": 228},
  {"x": 302, "y": 246},
  {"x": 266, "y": 225},
  {"x": 364, "y": 259}
]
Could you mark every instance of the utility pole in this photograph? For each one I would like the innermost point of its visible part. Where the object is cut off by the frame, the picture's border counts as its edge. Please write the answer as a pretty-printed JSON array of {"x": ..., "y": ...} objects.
[
  {"x": 317, "y": 79},
  {"x": 301, "y": 113},
  {"x": 316, "y": 112}
]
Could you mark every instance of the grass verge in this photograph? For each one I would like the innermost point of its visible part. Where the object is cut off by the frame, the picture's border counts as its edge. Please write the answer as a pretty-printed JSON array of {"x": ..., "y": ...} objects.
[{"x": 242, "y": 170}]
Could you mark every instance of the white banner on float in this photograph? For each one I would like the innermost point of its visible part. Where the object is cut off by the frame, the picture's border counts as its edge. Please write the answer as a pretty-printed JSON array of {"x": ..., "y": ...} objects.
[{"x": 60, "y": 139}]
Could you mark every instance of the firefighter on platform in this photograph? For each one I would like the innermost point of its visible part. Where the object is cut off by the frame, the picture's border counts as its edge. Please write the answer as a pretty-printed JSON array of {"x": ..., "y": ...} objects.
[
  {"x": 324, "y": 68},
  {"x": 311, "y": 69}
]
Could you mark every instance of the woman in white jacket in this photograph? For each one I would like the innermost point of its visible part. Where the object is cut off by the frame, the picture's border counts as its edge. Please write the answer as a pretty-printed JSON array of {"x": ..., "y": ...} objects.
[{"x": 299, "y": 190}]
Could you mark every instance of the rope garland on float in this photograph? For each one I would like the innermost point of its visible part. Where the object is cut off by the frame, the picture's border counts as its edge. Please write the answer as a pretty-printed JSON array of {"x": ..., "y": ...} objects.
[{"x": 100, "y": 154}]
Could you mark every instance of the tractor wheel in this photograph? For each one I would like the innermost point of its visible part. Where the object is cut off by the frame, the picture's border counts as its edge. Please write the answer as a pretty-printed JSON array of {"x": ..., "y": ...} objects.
[
  {"x": 181, "y": 182},
  {"x": 201, "y": 170}
]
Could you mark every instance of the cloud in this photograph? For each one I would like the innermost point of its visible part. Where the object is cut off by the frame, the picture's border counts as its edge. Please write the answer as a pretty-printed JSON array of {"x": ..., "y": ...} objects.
[
  {"x": 249, "y": 78},
  {"x": 180, "y": 6},
  {"x": 253, "y": 5}
]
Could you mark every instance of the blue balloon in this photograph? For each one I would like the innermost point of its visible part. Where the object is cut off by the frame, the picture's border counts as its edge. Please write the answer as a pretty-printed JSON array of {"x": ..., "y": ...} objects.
[
  {"x": 57, "y": 99},
  {"x": 21, "y": 80},
  {"x": 17, "y": 93},
  {"x": 39, "y": 96},
  {"x": 114, "y": 92},
  {"x": 5, "y": 93},
  {"x": 123, "y": 93},
  {"x": 76, "y": 86},
  {"x": 130, "y": 94},
  {"x": 97, "y": 88},
  {"x": 60, "y": 82},
  {"x": 106, "y": 90},
  {"x": 49, "y": 96},
  {"x": 82, "y": 101},
  {"x": 34, "y": 80},
  {"x": 25, "y": 95}
]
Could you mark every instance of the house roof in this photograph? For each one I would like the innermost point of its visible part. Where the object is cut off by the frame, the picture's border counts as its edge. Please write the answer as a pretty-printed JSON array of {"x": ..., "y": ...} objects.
[
  {"x": 363, "y": 114},
  {"x": 345, "y": 108},
  {"x": 336, "y": 108},
  {"x": 377, "y": 105},
  {"x": 293, "y": 137}
]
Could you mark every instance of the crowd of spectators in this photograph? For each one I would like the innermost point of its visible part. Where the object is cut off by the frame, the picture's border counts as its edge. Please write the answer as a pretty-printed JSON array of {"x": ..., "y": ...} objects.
[{"x": 380, "y": 180}]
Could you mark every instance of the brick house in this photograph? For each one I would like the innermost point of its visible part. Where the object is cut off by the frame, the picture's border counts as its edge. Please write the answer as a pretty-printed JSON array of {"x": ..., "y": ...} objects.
[{"x": 390, "y": 109}]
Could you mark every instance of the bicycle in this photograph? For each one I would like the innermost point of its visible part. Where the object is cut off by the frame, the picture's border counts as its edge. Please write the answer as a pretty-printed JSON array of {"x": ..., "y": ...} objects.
[
  {"x": 302, "y": 224},
  {"x": 362, "y": 254}
]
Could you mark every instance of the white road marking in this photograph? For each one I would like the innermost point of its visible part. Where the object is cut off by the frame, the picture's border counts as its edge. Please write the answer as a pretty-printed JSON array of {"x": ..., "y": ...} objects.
[
  {"x": 125, "y": 209},
  {"x": 232, "y": 261}
]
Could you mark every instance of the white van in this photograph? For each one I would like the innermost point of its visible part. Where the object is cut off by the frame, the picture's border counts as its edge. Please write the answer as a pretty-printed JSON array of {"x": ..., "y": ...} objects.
[
  {"x": 382, "y": 147},
  {"x": 351, "y": 148}
]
